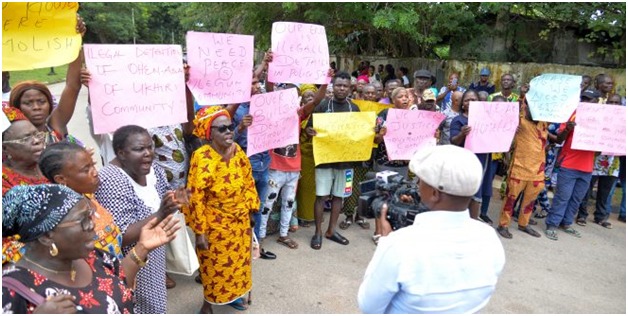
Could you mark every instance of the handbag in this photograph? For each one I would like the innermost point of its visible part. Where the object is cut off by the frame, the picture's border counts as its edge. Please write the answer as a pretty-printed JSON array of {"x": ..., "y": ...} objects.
[
  {"x": 21, "y": 289},
  {"x": 180, "y": 254}
]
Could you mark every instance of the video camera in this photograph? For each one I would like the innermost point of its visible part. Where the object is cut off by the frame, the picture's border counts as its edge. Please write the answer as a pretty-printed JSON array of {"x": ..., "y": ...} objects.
[{"x": 401, "y": 196}]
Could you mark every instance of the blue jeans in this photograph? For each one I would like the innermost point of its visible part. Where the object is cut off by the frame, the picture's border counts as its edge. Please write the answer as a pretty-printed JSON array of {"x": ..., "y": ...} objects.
[
  {"x": 571, "y": 188},
  {"x": 487, "y": 184},
  {"x": 261, "y": 185},
  {"x": 602, "y": 205}
]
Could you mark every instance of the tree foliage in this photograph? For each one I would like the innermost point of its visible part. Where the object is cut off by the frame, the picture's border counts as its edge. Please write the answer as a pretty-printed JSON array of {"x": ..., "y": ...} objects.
[{"x": 406, "y": 29}]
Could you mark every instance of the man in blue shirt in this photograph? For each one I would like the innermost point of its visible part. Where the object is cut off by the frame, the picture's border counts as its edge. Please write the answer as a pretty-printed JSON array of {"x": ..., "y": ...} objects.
[
  {"x": 483, "y": 84},
  {"x": 445, "y": 262}
]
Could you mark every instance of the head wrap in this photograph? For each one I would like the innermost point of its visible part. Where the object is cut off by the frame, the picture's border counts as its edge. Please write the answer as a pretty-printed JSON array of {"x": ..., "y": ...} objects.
[
  {"x": 204, "y": 118},
  {"x": 18, "y": 91},
  {"x": 32, "y": 210},
  {"x": 308, "y": 87},
  {"x": 13, "y": 114}
]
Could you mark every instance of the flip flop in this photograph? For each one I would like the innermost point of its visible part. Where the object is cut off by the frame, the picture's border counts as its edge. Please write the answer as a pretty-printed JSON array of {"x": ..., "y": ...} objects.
[
  {"x": 363, "y": 223},
  {"x": 286, "y": 241},
  {"x": 316, "y": 242},
  {"x": 346, "y": 223},
  {"x": 338, "y": 238}
]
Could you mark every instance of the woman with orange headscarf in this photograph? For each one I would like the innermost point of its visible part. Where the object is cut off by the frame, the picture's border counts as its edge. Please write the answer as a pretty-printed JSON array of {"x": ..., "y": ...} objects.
[{"x": 223, "y": 198}]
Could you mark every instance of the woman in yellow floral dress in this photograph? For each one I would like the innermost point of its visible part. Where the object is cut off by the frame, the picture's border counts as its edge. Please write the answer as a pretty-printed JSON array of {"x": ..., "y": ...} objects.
[{"x": 223, "y": 198}]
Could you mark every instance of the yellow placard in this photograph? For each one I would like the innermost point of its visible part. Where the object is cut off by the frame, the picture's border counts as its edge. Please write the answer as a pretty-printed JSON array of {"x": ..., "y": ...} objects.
[
  {"x": 370, "y": 106},
  {"x": 343, "y": 137},
  {"x": 39, "y": 34}
]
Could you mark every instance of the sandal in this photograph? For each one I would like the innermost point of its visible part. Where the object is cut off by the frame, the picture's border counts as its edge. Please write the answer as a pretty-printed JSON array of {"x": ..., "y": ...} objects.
[
  {"x": 346, "y": 223},
  {"x": 486, "y": 219},
  {"x": 551, "y": 234},
  {"x": 532, "y": 222},
  {"x": 581, "y": 222},
  {"x": 363, "y": 223},
  {"x": 604, "y": 224},
  {"x": 541, "y": 214},
  {"x": 316, "y": 242},
  {"x": 286, "y": 241},
  {"x": 503, "y": 231},
  {"x": 569, "y": 230},
  {"x": 376, "y": 239}
]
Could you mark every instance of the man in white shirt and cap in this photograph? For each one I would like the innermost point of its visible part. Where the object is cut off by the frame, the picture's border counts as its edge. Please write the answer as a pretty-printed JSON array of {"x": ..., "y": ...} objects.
[{"x": 445, "y": 262}]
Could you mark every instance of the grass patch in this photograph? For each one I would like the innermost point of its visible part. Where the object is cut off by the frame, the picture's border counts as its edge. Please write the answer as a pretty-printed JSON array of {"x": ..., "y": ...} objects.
[{"x": 40, "y": 75}]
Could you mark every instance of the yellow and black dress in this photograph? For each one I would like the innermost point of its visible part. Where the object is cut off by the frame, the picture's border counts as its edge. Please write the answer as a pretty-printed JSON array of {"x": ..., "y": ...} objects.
[{"x": 223, "y": 195}]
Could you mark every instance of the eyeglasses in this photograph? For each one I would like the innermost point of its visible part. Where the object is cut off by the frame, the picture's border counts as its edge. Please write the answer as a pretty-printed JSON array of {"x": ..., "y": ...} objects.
[
  {"x": 86, "y": 222},
  {"x": 224, "y": 128},
  {"x": 39, "y": 136}
]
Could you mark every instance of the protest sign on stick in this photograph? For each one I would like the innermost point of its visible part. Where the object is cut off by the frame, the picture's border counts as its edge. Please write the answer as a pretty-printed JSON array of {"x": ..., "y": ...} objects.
[
  {"x": 493, "y": 126},
  {"x": 342, "y": 137},
  {"x": 600, "y": 127},
  {"x": 553, "y": 97},
  {"x": 300, "y": 53},
  {"x": 135, "y": 84},
  {"x": 408, "y": 131},
  {"x": 221, "y": 67},
  {"x": 275, "y": 121},
  {"x": 39, "y": 34}
]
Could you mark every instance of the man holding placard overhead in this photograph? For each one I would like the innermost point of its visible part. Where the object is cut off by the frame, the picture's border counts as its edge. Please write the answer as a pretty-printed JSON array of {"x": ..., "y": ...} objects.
[
  {"x": 332, "y": 178},
  {"x": 574, "y": 177}
]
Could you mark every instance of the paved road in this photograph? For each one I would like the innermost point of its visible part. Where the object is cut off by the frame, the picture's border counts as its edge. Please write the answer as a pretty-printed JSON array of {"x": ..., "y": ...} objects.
[{"x": 571, "y": 275}]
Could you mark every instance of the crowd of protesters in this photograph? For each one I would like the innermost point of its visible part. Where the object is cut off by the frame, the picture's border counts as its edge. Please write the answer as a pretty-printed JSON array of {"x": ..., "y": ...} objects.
[{"x": 53, "y": 195}]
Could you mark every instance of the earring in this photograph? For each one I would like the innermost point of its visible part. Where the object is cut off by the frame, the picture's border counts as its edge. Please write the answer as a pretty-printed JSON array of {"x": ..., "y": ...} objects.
[{"x": 53, "y": 250}]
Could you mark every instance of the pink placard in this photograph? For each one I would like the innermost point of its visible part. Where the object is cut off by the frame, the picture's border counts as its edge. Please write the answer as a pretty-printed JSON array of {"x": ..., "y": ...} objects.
[
  {"x": 300, "y": 53},
  {"x": 221, "y": 67},
  {"x": 135, "y": 85},
  {"x": 600, "y": 127},
  {"x": 493, "y": 126},
  {"x": 275, "y": 121},
  {"x": 407, "y": 131}
]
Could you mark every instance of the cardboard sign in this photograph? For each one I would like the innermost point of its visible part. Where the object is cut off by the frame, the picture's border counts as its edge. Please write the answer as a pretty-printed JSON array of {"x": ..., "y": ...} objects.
[
  {"x": 370, "y": 106},
  {"x": 135, "y": 84},
  {"x": 275, "y": 121},
  {"x": 600, "y": 127},
  {"x": 343, "y": 137},
  {"x": 300, "y": 53},
  {"x": 493, "y": 126},
  {"x": 39, "y": 34},
  {"x": 553, "y": 97},
  {"x": 408, "y": 131},
  {"x": 221, "y": 67}
]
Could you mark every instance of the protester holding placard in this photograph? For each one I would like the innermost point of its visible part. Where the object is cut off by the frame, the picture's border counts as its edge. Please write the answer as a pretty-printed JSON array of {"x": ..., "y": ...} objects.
[
  {"x": 526, "y": 174},
  {"x": 616, "y": 99},
  {"x": 605, "y": 173},
  {"x": 260, "y": 162},
  {"x": 333, "y": 178},
  {"x": 573, "y": 180},
  {"x": 285, "y": 167},
  {"x": 35, "y": 100},
  {"x": 382, "y": 162},
  {"x": 460, "y": 129}
]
